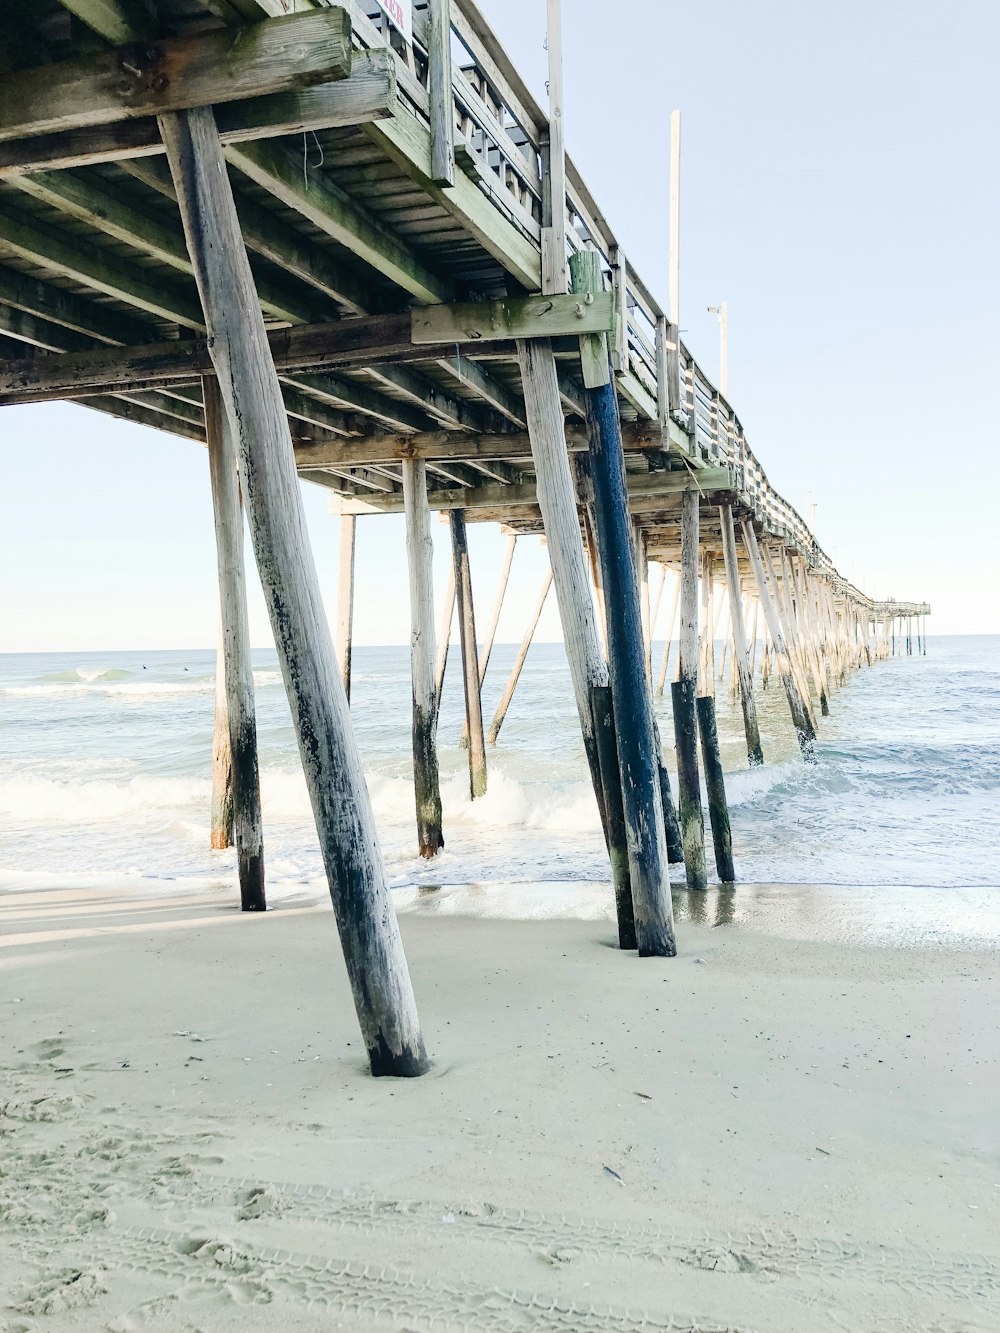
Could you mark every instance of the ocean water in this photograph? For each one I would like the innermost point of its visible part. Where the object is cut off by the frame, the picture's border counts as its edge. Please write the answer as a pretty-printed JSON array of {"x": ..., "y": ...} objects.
[{"x": 105, "y": 762}]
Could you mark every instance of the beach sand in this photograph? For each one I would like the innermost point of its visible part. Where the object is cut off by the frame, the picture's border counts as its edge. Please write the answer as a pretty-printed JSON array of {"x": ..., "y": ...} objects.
[{"x": 787, "y": 1128}]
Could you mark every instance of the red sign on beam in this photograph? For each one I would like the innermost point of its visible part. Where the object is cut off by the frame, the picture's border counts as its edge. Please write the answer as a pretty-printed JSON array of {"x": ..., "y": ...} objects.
[{"x": 401, "y": 15}]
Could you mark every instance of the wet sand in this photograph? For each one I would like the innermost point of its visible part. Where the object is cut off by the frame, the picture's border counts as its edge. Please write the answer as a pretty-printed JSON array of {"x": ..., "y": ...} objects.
[{"x": 791, "y": 1126}]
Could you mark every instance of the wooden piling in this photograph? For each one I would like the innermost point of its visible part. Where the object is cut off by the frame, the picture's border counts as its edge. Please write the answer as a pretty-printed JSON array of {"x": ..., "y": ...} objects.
[
  {"x": 804, "y": 729},
  {"x": 668, "y": 631},
  {"x": 741, "y": 656},
  {"x": 484, "y": 656},
  {"x": 602, "y": 709},
  {"x": 221, "y": 835},
  {"x": 345, "y": 599},
  {"x": 683, "y": 690},
  {"x": 245, "y": 812},
  {"x": 470, "y": 653},
  {"x": 444, "y": 637},
  {"x": 718, "y": 806},
  {"x": 251, "y": 395},
  {"x": 420, "y": 562},
  {"x": 558, "y": 504},
  {"x": 633, "y": 705},
  {"x": 511, "y": 686}
]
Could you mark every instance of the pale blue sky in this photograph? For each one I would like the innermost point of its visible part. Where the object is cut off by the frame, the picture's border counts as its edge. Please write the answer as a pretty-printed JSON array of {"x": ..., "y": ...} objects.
[{"x": 839, "y": 191}]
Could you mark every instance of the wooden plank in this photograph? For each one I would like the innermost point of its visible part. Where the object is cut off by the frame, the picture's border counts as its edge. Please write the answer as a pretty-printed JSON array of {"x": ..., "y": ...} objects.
[
  {"x": 118, "y": 21},
  {"x": 145, "y": 79},
  {"x": 442, "y": 106},
  {"x": 408, "y": 143},
  {"x": 368, "y": 94},
  {"x": 655, "y": 488},
  {"x": 38, "y": 297},
  {"x": 101, "y": 270},
  {"x": 337, "y": 215},
  {"x": 515, "y": 317},
  {"x": 366, "y": 919}
]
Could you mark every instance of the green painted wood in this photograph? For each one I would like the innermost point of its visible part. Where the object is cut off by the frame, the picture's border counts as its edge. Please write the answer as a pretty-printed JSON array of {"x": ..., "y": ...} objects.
[
  {"x": 145, "y": 79},
  {"x": 515, "y": 317}
]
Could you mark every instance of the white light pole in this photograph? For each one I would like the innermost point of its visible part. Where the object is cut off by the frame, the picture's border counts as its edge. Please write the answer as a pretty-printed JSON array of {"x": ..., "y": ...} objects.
[{"x": 723, "y": 313}]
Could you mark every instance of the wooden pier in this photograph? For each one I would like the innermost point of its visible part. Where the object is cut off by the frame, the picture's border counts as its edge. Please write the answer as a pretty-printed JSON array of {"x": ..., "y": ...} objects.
[{"x": 321, "y": 246}]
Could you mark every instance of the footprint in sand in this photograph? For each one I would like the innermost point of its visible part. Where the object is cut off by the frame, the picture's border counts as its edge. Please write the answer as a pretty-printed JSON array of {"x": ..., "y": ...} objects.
[{"x": 59, "y": 1292}]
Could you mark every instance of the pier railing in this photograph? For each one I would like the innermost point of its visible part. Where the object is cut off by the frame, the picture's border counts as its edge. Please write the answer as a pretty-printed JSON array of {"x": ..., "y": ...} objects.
[{"x": 501, "y": 136}]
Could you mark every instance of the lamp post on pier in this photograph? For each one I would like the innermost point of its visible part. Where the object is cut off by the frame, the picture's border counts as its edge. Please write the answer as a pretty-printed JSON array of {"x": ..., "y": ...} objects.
[{"x": 723, "y": 313}]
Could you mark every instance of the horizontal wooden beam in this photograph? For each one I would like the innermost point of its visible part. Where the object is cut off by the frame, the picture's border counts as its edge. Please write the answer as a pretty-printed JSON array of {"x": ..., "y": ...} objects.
[
  {"x": 35, "y": 296},
  {"x": 456, "y": 446},
  {"x": 516, "y": 317},
  {"x": 339, "y": 344},
  {"x": 369, "y": 94},
  {"x": 641, "y": 489},
  {"x": 339, "y": 216},
  {"x": 148, "y": 78}
]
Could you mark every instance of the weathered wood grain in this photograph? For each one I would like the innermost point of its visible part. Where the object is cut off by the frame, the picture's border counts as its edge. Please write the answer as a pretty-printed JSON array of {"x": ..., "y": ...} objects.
[
  {"x": 365, "y": 916},
  {"x": 149, "y": 78}
]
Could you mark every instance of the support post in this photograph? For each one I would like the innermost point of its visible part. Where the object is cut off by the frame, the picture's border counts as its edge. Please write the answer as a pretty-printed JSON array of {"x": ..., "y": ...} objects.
[
  {"x": 529, "y": 634},
  {"x": 668, "y": 631},
  {"x": 442, "y": 106},
  {"x": 633, "y": 705},
  {"x": 588, "y": 669},
  {"x": 345, "y": 598},
  {"x": 420, "y": 561},
  {"x": 554, "y": 220},
  {"x": 221, "y": 835},
  {"x": 444, "y": 639},
  {"x": 741, "y": 656},
  {"x": 801, "y": 720},
  {"x": 237, "y": 669},
  {"x": 602, "y": 709},
  {"x": 683, "y": 690},
  {"x": 251, "y": 396},
  {"x": 470, "y": 655},
  {"x": 484, "y": 656},
  {"x": 718, "y": 806}
]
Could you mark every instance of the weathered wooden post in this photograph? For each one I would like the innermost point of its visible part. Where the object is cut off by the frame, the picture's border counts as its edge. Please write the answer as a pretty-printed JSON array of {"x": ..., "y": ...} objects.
[
  {"x": 529, "y": 634},
  {"x": 804, "y": 729},
  {"x": 444, "y": 638},
  {"x": 221, "y": 835},
  {"x": 484, "y": 656},
  {"x": 588, "y": 669},
  {"x": 345, "y": 599},
  {"x": 715, "y": 785},
  {"x": 668, "y": 631},
  {"x": 251, "y": 395},
  {"x": 470, "y": 653},
  {"x": 633, "y": 705},
  {"x": 247, "y": 827},
  {"x": 741, "y": 657},
  {"x": 420, "y": 560},
  {"x": 683, "y": 690}
]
